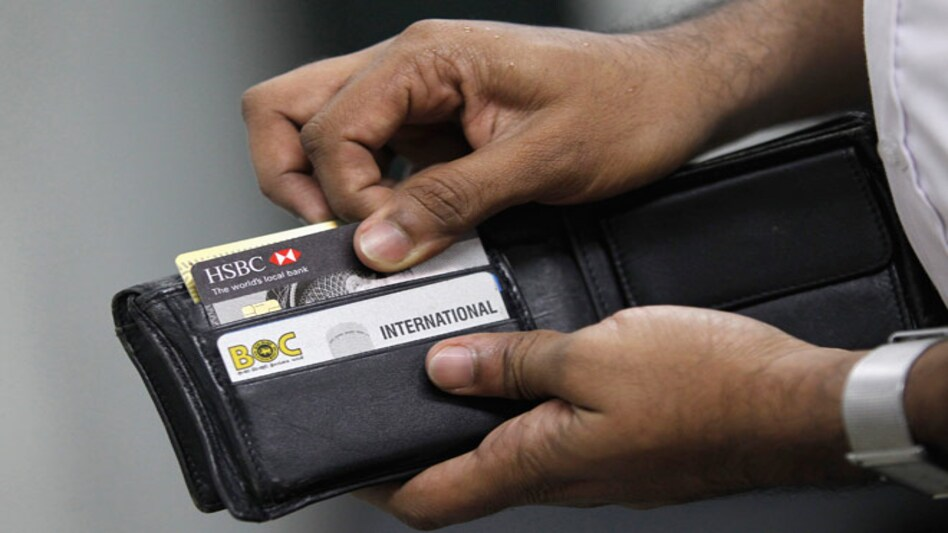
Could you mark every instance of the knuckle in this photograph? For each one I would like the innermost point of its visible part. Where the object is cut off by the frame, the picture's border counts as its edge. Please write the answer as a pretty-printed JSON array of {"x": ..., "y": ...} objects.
[
  {"x": 267, "y": 189},
  {"x": 537, "y": 460},
  {"x": 346, "y": 210},
  {"x": 426, "y": 29},
  {"x": 628, "y": 315},
  {"x": 638, "y": 318},
  {"x": 514, "y": 357},
  {"x": 537, "y": 479},
  {"x": 252, "y": 101},
  {"x": 658, "y": 318},
  {"x": 345, "y": 203},
  {"x": 424, "y": 52},
  {"x": 450, "y": 197}
]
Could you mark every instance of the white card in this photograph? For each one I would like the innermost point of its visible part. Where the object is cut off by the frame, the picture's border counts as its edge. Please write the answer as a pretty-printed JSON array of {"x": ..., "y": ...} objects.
[{"x": 350, "y": 329}]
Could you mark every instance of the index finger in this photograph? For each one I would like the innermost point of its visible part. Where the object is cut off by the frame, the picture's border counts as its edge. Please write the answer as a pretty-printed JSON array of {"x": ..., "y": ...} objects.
[
  {"x": 274, "y": 112},
  {"x": 362, "y": 117},
  {"x": 283, "y": 171}
]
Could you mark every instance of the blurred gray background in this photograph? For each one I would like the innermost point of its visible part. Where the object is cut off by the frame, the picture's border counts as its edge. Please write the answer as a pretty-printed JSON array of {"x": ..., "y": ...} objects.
[{"x": 121, "y": 145}]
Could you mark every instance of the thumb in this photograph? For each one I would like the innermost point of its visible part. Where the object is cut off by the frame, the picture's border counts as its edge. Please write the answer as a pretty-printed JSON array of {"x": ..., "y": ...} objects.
[
  {"x": 433, "y": 208},
  {"x": 526, "y": 365}
]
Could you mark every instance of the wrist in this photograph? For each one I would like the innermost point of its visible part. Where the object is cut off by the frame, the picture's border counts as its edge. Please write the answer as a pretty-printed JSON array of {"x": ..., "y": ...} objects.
[
  {"x": 926, "y": 395},
  {"x": 875, "y": 411},
  {"x": 755, "y": 63},
  {"x": 797, "y": 429}
]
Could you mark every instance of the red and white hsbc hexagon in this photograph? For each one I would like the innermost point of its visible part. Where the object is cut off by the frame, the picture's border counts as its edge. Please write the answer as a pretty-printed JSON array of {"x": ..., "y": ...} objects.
[{"x": 284, "y": 257}]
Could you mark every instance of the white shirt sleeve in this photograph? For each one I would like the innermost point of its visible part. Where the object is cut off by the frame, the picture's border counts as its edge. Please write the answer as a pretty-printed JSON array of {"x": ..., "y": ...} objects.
[{"x": 907, "y": 51}]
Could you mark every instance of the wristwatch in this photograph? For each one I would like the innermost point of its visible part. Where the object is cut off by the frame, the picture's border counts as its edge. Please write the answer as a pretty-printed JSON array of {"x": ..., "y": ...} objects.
[{"x": 874, "y": 415}]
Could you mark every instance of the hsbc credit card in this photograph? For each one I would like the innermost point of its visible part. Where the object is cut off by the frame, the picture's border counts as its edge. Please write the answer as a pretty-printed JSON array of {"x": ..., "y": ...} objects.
[
  {"x": 185, "y": 261},
  {"x": 304, "y": 270}
]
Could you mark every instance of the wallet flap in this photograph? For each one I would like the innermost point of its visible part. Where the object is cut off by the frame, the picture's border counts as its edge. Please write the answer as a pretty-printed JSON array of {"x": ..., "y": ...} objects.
[{"x": 750, "y": 235}]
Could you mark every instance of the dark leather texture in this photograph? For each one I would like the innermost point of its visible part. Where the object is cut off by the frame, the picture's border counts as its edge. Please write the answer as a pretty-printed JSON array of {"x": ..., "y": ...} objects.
[
  {"x": 265, "y": 447},
  {"x": 799, "y": 233}
]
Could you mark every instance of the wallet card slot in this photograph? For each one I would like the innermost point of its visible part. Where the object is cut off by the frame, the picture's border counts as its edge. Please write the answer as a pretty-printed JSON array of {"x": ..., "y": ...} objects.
[
  {"x": 356, "y": 327},
  {"x": 495, "y": 265},
  {"x": 236, "y": 413},
  {"x": 237, "y": 471},
  {"x": 324, "y": 269},
  {"x": 343, "y": 300},
  {"x": 357, "y": 419},
  {"x": 503, "y": 325}
]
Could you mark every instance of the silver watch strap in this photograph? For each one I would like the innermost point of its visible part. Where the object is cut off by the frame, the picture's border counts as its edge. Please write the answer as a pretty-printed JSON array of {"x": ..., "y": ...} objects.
[{"x": 875, "y": 420}]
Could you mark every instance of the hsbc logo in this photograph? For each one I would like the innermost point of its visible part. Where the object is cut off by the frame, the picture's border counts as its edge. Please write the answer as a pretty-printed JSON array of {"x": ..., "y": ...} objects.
[
  {"x": 234, "y": 269},
  {"x": 285, "y": 257},
  {"x": 237, "y": 269},
  {"x": 253, "y": 271}
]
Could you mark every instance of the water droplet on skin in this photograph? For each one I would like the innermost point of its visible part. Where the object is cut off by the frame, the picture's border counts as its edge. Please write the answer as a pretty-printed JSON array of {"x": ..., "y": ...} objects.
[
  {"x": 486, "y": 28},
  {"x": 496, "y": 36},
  {"x": 585, "y": 44},
  {"x": 468, "y": 29},
  {"x": 510, "y": 65}
]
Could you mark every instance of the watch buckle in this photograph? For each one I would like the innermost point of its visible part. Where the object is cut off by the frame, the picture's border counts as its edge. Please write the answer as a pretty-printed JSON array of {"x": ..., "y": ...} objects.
[{"x": 917, "y": 335}]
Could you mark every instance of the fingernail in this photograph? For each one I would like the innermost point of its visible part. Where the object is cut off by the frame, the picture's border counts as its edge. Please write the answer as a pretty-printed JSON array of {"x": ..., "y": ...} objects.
[
  {"x": 452, "y": 368},
  {"x": 385, "y": 242}
]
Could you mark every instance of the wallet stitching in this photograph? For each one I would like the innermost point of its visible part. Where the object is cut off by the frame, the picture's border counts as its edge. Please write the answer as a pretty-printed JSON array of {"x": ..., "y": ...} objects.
[
  {"x": 617, "y": 251},
  {"x": 593, "y": 279},
  {"x": 874, "y": 210},
  {"x": 523, "y": 316},
  {"x": 232, "y": 405},
  {"x": 159, "y": 338},
  {"x": 874, "y": 214},
  {"x": 164, "y": 300},
  {"x": 203, "y": 485},
  {"x": 893, "y": 280},
  {"x": 842, "y": 128},
  {"x": 894, "y": 287},
  {"x": 205, "y": 419},
  {"x": 166, "y": 292},
  {"x": 597, "y": 286},
  {"x": 578, "y": 242}
]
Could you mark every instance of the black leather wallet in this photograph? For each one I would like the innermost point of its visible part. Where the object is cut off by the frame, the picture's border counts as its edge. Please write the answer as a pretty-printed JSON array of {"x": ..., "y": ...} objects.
[{"x": 799, "y": 232}]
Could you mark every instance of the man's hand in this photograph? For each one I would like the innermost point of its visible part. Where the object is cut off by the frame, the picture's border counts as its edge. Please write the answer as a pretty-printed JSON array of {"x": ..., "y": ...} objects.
[
  {"x": 490, "y": 114},
  {"x": 649, "y": 407},
  {"x": 494, "y": 115}
]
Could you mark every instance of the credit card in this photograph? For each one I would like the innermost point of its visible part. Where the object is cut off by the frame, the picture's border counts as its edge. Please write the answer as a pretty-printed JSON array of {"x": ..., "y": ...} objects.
[
  {"x": 185, "y": 261},
  {"x": 305, "y": 270},
  {"x": 385, "y": 321}
]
